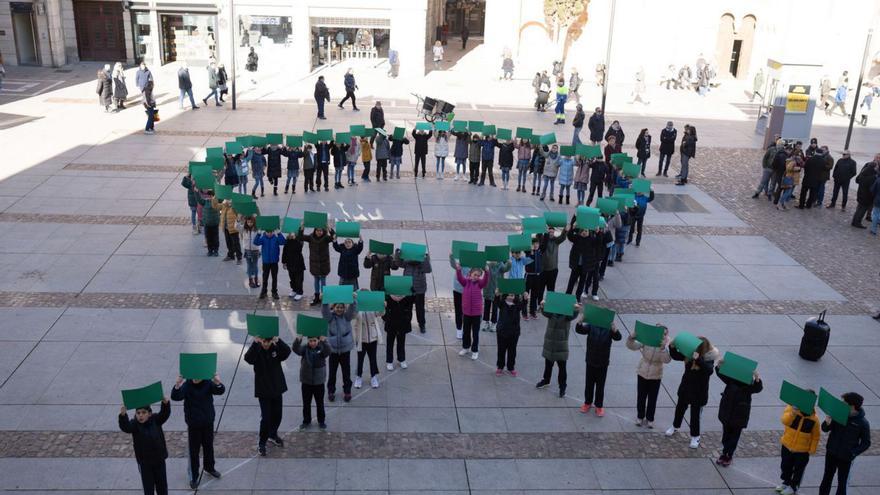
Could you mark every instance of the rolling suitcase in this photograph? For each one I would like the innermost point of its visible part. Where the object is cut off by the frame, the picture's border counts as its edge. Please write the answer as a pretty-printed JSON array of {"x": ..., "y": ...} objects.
[{"x": 815, "y": 339}]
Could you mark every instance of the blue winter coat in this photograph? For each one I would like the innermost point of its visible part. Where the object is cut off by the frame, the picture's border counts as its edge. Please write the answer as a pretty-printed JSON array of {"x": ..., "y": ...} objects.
[
  {"x": 270, "y": 246},
  {"x": 565, "y": 176},
  {"x": 487, "y": 147}
]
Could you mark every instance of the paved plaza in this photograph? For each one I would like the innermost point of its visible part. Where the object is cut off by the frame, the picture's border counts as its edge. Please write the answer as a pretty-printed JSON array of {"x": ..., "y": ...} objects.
[{"x": 102, "y": 285}]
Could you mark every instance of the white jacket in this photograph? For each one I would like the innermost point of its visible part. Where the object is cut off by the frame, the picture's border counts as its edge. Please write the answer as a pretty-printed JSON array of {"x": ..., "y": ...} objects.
[{"x": 653, "y": 358}]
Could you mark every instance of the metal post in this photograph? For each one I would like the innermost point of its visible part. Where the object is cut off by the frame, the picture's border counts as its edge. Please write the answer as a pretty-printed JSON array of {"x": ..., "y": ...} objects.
[
  {"x": 608, "y": 54},
  {"x": 852, "y": 115},
  {"x": 232, "y": 28}
]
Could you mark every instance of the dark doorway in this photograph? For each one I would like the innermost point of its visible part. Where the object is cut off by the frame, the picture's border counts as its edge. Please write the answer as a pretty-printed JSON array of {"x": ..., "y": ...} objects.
[
  {"x": 734, "y": 56},
  {"x": 470, "y": 13},
  {"x": 23, "y": 32},
  {"x": 100, "y": 33}
]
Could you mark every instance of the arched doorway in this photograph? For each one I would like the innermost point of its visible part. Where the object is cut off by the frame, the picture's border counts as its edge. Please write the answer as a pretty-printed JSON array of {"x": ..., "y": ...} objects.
[{"x": 733, "y": 51}]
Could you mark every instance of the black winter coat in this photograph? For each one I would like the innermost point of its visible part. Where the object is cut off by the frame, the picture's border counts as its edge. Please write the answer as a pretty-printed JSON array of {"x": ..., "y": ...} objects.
[
  {"x": 104, "y": 89},
  {"x": 599, "y": 342},
  {"x": 379, "y": 267},
  {"x": 292, "y": 256},
  {"x": 509, "y": 317},
  {"x": 667, "y": 141},
  {"x": 736, "y": 401},
  {"x": 689, "y": 145},
  {"x": 598, "y": 168},
  {"x": 273, "y": 161},
  {"x": 198, "y": 401},
  {"x": 844, "y": 170},
  {"x": 596, "y": 124},
  {"x": 183, "y": 80},
  {"x": 505, "y": 155},
  {"x": 643, "y": 147},
  {"x": 847, "y": 442},
  {"x": 813, "y": 169},
  {"x": 148, "y": 437},
  {"x": 269, "y": 379},
  {"x": 694, "y": 386},
  {"x": 578, "y": 120},
  {"x": 618, "y": 134},
  {"x": 586, "y": 252},
  {"x": 398, "y": 315},
  {"x": 377, "y": 118},
  {"x": 348, "y": 259},
  {"x": 321, "y": 91},
  {"x": 319, "y": 252},
  {"x": 230, "y": 174},
  {"x": 421, "y": 140},
  {"x": 865, "y": 180}
]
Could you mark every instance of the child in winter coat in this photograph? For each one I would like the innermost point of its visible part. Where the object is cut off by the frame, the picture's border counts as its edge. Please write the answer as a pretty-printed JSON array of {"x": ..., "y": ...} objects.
[
  {"x": 457, "y": 296},
  {"x": 351, "y": 157},
  {"x": 211, "y": 222},
  {"x": 149, "y": 444},
  {"x": 367, "y": 338},
  {"x": 251, "y": 250},
  {"x": 366, "y": 157},
  {"x": 536, "y": 167},
  {"x": 398, "y": 323},
  {"x": 505, "y": 161},
  {"x": 198, "y": 410},
  {"x": 383, "y": 152},
  {"x": 293, "y": 155},
  {"x": 229, "y": 223},
  {"x": 341, "y": 340},
  {"x": 693, "y": 391},
  {"x": 799, "y": 441},
  {"x": 598, "y": 358},
  {"x": 555, "y": 348},
  {"x": 270, "y": 242},
  {"x": 621, "y": 233},
  {"x": 523, "y": 157},
  {"x": 551, "y": 170},
  {"x": 490, "y": 299},
  {"x": 581, "y": 179},
  {"x": 734, "y": 411},
  {"x": 312, "y": 375},
  {"x": 266, "y": 356},
  {"x": 258, "y": 169},
  {"x": 565, "y": 178},
  {"x": 379, "y": 266},
  {"x": 845, "y": 443},
  {"x": 441, "y": 151},
  {"x": 292, "y": 260},
  {"x": 649, "y": 374},
  {"x": 319, "y": 257},
  {"x": 417, "y": 270},
  {"x": 243, "y": 169},
  {"x": 534, "y": 282},
  {"x": 309, "y": 166},
  {"x": 192, "y": 200},
  {"x": 395, "y": 155},
  {"x": 638, "y": 219},
  {"x": 348, "y": 269},
  {"x": 475, "y": 151},
  {"x": 471, "y": 308},
  {"x": 508, "y": 331}
]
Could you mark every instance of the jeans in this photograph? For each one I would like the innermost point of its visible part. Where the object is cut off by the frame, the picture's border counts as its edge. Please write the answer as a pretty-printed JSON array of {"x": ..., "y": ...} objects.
[
  {"x": 320, "y": 102},
  {"x": 548, "y": 372},
  {"x": 337, "y": 175},
  {"x": 786, "y": 195},
  {"x": 875, "y": 219},
  {"x": 685, "y": 160},
  {"x": 395, "y": 340},
  {"x": 663, "y": 164},
  {"x": 270, "y": 417},
  {"x": 395, "y": 166},
  {"x": 576, "y": 138},
  {"x": 486, "y": 168},
  {"x": 792, "y": 466},
  {"x": 460, "y": 166},
  {"x": 696, "y": 411},
  {"x": 200, "y": 438},
  {"x": 840, "y": 186},
  {"x": 729, "y": 439},
  {"x": 471, "y": 338},
  {"x": 242, "y": 184},
  {"x": 193, "y": 214},
  {"x": 505, "y": 175},
  {"x": 841, "y": 466},
  {"x": 187, "y": 92},
  {"x": 350, "y": 170},
  {"x": 339, "y": 360},
  {"x": 506, "y": 351},
  {"x": 646, "y": 397},
  {"x": 258, "y": 182},
  {"x": 366, "y": 175},
  {"x": 441, "y": 165},
  {"x": 620, "y": 238},
  {"x": 564, "y": 190},
  {"x": 368, "y": 349},
  {"x": 151, "y": 119},
  {"x": 581, "y": 195},
  {"x": 764, "y": 185},
  {"x": 820, "y": 193},
  {"x": 319, "y": 284},
  {"x": 595, "y": 380},
  {"x": 522, "y": 168},
  {"x": 549, "y": 182},
  {"x": 251, "y": 256},
  {"x": 291, "y": 179},
  {"x": 215, "y": 94},
  {"x": 310, "y": 392}
]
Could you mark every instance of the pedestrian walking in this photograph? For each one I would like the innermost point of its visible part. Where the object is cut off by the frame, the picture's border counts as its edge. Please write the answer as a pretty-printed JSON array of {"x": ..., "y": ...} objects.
[
  {"x": 350, "y": 87},
  {"x": 574, "y": 85},
  {"x": 507, "y": 68},
  {"x": 222, "y": 80},
  {"x": 639, "y": 89},
  {"x": 864, "y": 198},
  {"x": 150, "y": 108},
  {"x": 839, "y": 101},
  {"x": 437, "y": 52},
  {"x": 465, "y": 34},
  {"x": 322, "y": 94},
  {"x": 843, "y": 172},
  {"x": 142, "y": 77},
  {"x": 377, "y": 116},
  {"x": 252, "y": 64},
  {"x": 394, "y": 63},
  {"x": 198, "y": 411},
  {"x": 104, "y": 90},
  {"x": 266, "y": 356},
  {"x": 213, "y": 85},
  {"x": 184, "y": 84}
]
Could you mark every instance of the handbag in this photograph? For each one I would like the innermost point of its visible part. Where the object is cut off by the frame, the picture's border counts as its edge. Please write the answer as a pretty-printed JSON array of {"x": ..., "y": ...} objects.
[{"x": 156, "y": 115}]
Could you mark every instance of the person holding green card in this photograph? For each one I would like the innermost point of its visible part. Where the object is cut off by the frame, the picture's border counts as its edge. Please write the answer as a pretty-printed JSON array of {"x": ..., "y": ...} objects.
[
  {"x": 379, "y": 266},
  {"x": 312, "y": 375},
  {"x": 395, "y": 155},
  {"x": 534, "y": 281},
  {"x": 211, "y": 221},
  {"x": 367, "y": 338},
  {"x": 799, "y": 441},
  {"x": 348, "y": 269},
  {"x": 293, "y": 155},
  {"x": 555, "y": 348},
  {"x": 198, "y": 411},
  {"x": 339, "y": 336},
  {"x": 192, "y": 200},
  {"x": 566, "y": 178},
  {"x": 536, "y": 167},
  {"x": 649, "y": 374},
  {"x": 474, "y": 153},
  {"x": 585, "y": 257},
  {"x": 417, "y": 270},
  {"x": 693, "y": 391},
  {"x": 149, "y": 444},
  {"x": 319, "y": 257},
  {"x": 270, "y": 244},
  {"x": 598, "y": 358},
  {"x": 845, "y": 443},
  {"x": 398, "y": 323},
  {"x": 496, "y": 270},
  {"x": 508, "y": 331},
  {"x": 550, "y": 242},
  {"x": 471, "y": 308},
  {"x": 734, "y": 411},
  {"x": 383, "y": 153},
  {"x": 523, "y": 157},
  {"x": 638, "y": 221},
  {"x": 460, "y": 154},
  {"x": 457, "y": 290},
  {"x": 292, "y": 260},
  {"x": 551, "y": 170},
  {"x": 266, "y": 355}
]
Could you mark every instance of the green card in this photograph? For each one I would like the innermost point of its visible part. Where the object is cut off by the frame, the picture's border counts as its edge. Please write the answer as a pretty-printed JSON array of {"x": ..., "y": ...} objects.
[
  {"x": 739, "y": 368},
  {"x": 460, "y": 125},
  {"x": 242, "y": 198},
  {"x": 398, "y": 134},
  {"x": 441, "y": 126},
  {"x": 259, "y": 141},
  {"x": 624, "y": 201},
  {"x": 216, "y": 162},
  {"x": 523, "y": 133},
  {"x": 834, "y": 407},
  {"x": 196, "y": 166},
  {"x": 686, "y": 343},
  {"x": 291, "y": 225},
  {"x": 310, "y": 137},
  {"x": 233, "y": 148},
  {"x": 587, "y": 218},
  {"x": 357, "y": 130},
  {"x": 371, "y": 300},
  {"x": 534, "y": 225},
  {"x": 566, "y": 150},
  {"x": 268, "y": 223},
  {"x": 619, "y": 158},
  {"x": 632, "y": 169},
  {"x": 348, "y": 229},
  {"x": 489, "y": 130},
  {"x": 472, "y": 259},
  {"x": 797, "y": 397},
  {"x": 649, "y": 335},
  {"x": 275, "y": 138},
  {"x": 343, "y": 137},
  {"x": 223, "y": 192},
  {"x": 556, "y": 218},
  {"x": 423, "y": 126},
  {"x": 498, "y": 253},
  {"x": 511, "y": 285},
  {"x": 642, "y": 186},
  {"x": 598, "y": 316},
  {"x": 334, "y": 294},
  {"x": 315, "y": 219},
  {"x": 214, "y": 152},
  {"x": 410, "y": 251},
  {"x": 325, "y": 134},
  {"x": 593, "y": 152},
  {"x": 203, "y": 178},
  {"x": 262, "y": 326},
  {"x": 379, "y": 247},
  {"x": 559, "y": 303},
  {"x": 475, "y": 126},
  {"x": 519, "y": 242},
  {"x": 547, "y": 139},
  {"x": 607, "y": 205},
  {"x": 310, "y": 326},
  {"x": 134, "y": 398},
  {"x": 459, "y": 246},
  {"x": 398, "y": 285},
  {"x": 245, "y": 141},
  {"x": 246, "y": 208},
  {"x": 198, "y": 366},
  {"x": 293, "y": 141}
]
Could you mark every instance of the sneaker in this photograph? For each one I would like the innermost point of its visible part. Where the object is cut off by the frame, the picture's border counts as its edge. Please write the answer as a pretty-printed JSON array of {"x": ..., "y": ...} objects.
[
  {"x": 292, "y": 294},
  {"x": 485, "y": 326},
  {"x": 595, "y": 297},
  {"x": 214, "y": 473},
  {"x": 463, "y": 352},
  {"x": 262, "y": 450},
  {"x": 297, "y": 297},
  {"x": 640, "y": 422},
  {"x": 600, "y": 411},
  {"x": 475, "y": 356},
  {"x": 671, "y": 431},
  {"x": 389, "y": 366},
  {"x": 542, "y": 384},
  {"x": 499, "y": 372},
  {"x": 695, "y": 442},
  {"x": 322, "y": 426},
  {"x": 459, "y": 334},
  {"x": 374, "y": 382},
  {"x": 403, "y": 365},
  {"x": 346, "y": 397},
  {"x": 275, "y": 296},
  {"x": 491, "y": 327},
  {"x": 358, "y": 382},
  {"x": 779, "y": 488},
  {"x": 513, "y": 373},
  {"x": 585, "y": 408},
  {"x": 277, "y": 441}
]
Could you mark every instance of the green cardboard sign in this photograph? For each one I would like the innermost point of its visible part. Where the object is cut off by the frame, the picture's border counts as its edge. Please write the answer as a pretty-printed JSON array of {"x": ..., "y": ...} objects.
[
  {"x": 511, "y": 286},
  {"x": 797, "y": 397},
  {"x": 203, "y": 178},
  {"x": 632, "y": 169},
  {"x": 534, "y": 225},
  {"x": 740, "y": 368},
  {"x": 489, "y": 130},
  {"x": 519, "y": 242},
  {"x": 325, "y": 134},
  {"x": 587, "y": 218},
  {"x": 310, "y": 137},
  {"x": 459, "y": 246},
  {"x": 559, "y": 303},
  {"x": 348, "y": 229},
  {"x": 310, "y": 326},
  {"x": 505, "y": 134},
  {"x": 441, "y": 125},
  {"x": 472, "y": 259},
  {"x": 399, "y": 132},
  {"x": 642, "y": 186},
  {"x": 548, "y": 139},
  {"x": 556, "y": 218},
  {"x": 198, "y": 366},
  {"x": 607, "y": 205},
  {"x": 357, "y": 130},
  {"x": 293, "y": 141},
  {"x": 246, "y": 208},
  {"x": 371, "y": 300},
  {"x": 262, "y": 326},
  {"x": 619, "y": 158},
  {"x": 259, "y": 141},
  {"x": 475, "y": 126},
  {"x": 245, "y": 141},
  {"x": 214, "y": 152},
  {"x": 423, "y": 126},
  {"x": 233, "y": 148},
  {"x": 624, "y": 201},
  {"x": 498, "y": 253},
  {"x": 338, "y": 294},
  {"x": 315, "y": 219},
  {"x": 343, "y": 137},
  {"x": 275, "y": 138},
  {"x": 291, "y": 225},
  {"x": 268, "y": 223},
  {"x": 686, "y": 343},
  {"x": 195, "y": 166},
  {"x": 460, "y": 125},
  {"x": 566, "y": 150},
  {"x": 222, "y": 193},
  {"x": 649, "y": 335},
  {"x": 598, "y": 316},
  {"x": 379, "y": 247},
  {"x": 242, "y": 198},
  {"x": 216, "y": 162},
  {"x": 524, "y": 133},
  {"x": 834, "y": 407},
  {"x": 398, "y": 285},
  {"x": 134, "y": 398},
  {"x": 410, "y": 251}
]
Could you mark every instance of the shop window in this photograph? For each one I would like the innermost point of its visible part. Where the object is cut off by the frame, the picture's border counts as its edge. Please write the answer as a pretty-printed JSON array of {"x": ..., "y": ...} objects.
[{"x": 263, "y": 30}]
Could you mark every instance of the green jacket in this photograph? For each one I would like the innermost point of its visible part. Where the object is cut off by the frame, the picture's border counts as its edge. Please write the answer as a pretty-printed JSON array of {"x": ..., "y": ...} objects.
[
  {"x": 556, "y": 336},
  {"x": 496, "y": 269},
  {"x": 210, "y": 215}
]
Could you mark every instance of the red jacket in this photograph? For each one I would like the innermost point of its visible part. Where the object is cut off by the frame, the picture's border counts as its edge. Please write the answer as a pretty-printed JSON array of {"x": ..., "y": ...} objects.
[{"x": 472, "y": 293}]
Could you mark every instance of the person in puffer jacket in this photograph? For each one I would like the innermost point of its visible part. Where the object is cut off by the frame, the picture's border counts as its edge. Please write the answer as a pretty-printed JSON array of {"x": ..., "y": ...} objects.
[
  {"x": 598, "y": 358},
  {"x": 312, "y": 375},
  {"x": 649, "y": 374},
  {"x": 471, "y": 307},
  {"x": 341, "y": 340},
  {"x": 845, "y": 443},
  {"x": 799, "y": 441},
  {"x": 523, "y": 157},
  {"x": 270, "y": 244},
  {"x": 474, "y": 153},
  {"x": 693, "y": 391},
  {"x": 734, "y": 411},
  {"x": 348, "y": 270},
  {"x": 462, "y": 139}
]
